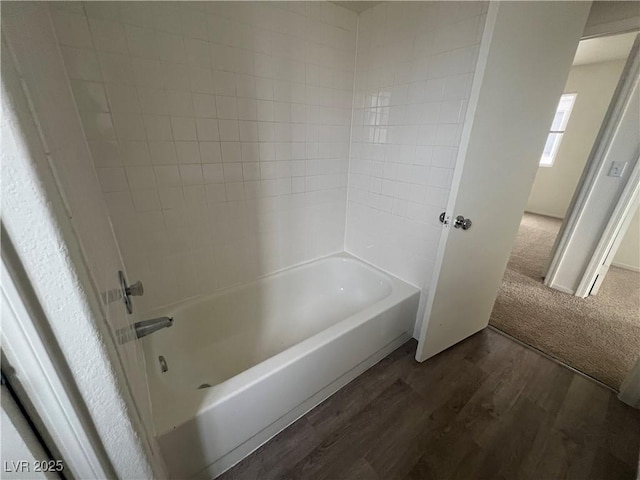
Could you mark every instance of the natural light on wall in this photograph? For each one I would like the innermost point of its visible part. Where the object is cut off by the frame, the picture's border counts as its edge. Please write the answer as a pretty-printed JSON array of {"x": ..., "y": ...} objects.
[{"x": 557, "y": 129}]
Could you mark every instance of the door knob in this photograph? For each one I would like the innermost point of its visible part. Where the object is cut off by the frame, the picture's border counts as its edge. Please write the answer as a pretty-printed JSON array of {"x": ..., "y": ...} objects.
[
  {"x": 442, "y": 217},
  {"x": 462, "y": 222}
]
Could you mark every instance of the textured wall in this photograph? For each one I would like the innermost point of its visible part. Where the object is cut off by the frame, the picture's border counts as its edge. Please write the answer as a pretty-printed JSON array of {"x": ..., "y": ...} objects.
[{"x": 220, "y": 133}]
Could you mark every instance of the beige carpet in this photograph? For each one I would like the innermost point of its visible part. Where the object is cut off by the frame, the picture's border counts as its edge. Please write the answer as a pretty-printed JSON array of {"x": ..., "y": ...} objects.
[{"x": 598, "y": 335}]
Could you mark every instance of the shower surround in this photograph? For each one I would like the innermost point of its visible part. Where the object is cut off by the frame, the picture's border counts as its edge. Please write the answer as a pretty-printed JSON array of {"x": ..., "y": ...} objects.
[{"x": 219, "y": 133}]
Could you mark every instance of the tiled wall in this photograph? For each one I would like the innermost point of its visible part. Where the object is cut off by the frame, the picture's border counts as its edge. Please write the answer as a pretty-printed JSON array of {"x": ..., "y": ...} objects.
[
  {"x": 219, "y": 132},
  {"x": 415, "y": 64},
  {"x": 30, "y": 50}
]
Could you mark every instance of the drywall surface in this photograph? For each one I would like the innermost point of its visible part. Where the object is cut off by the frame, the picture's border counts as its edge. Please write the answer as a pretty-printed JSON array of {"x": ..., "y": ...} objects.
[
  {"x": 554, "y": 186},
  {"x": 219, "y": 132},
  {"x": 628, "y": 254},
  {"x": 414, "y": 69},
  {"x": 59, "y": 225}
]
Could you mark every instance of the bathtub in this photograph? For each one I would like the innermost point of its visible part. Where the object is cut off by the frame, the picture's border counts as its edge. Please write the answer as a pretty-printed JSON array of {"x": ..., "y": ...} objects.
[{"x": 243, "y": 364}]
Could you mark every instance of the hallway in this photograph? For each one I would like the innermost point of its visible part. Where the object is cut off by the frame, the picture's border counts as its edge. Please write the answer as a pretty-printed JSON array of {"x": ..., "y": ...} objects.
[{"x": 599, "y": 335}]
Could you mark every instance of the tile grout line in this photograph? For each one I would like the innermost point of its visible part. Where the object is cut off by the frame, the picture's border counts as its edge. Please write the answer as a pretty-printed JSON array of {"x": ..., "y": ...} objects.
[{"x": 353, "y": 107}]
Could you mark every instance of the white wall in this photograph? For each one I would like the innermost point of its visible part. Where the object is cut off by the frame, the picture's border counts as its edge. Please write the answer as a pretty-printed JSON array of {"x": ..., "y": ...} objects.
[
  {"x": 220, "y": 133},
  {"x": 628, "y": 254},
  {"x": 415, "y": 64},
  {"x": 554, "y": 186},
  {"x": 52, "y": 144}
]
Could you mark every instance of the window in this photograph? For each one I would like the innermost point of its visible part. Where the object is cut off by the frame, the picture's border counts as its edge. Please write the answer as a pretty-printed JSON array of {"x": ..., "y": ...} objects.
[{"x": 557, "y": 129}]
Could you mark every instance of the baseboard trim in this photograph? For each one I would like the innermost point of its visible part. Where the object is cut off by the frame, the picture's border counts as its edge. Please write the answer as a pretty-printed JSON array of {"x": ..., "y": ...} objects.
[
  {"x": 624, "y": 266},
  {"x": 544, "y": 214},
  {"x": 562, "y": 289},
  {"x": 553, "y": 359}
]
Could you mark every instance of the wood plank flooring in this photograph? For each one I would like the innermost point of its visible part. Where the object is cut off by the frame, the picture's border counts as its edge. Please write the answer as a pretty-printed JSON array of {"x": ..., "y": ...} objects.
[{"x": 487, "y": 408}]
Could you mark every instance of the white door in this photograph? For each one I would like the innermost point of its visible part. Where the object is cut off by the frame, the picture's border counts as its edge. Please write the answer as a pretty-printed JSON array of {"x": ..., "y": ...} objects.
[{"x": 526, "y": 53}]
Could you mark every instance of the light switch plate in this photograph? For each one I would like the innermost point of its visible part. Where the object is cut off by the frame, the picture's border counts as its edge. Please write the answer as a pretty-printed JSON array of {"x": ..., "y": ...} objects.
[{"x": 617, "y": 169}]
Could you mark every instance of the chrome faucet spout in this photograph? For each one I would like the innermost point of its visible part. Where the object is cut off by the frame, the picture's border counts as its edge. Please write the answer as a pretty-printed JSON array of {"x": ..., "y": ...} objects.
[{"x": 147, "y": 327}]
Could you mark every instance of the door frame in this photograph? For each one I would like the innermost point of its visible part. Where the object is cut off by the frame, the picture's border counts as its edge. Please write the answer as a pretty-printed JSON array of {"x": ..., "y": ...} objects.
[
  {"x": 37, "y": 376},
  {"x": 613, "y": 235},
  {"x": 596, "y": 164}
]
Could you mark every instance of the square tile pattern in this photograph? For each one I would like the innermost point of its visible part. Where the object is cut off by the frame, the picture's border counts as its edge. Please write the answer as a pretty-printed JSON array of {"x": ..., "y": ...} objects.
[
  {"x": 234, "y": 139},
  {"x": 414, "y": 68},
  {"x": 220, "y": 133}
]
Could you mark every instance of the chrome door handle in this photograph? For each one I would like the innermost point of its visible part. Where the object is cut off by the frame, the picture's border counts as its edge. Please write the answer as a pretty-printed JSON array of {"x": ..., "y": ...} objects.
[{"x": 462, "y": 222}]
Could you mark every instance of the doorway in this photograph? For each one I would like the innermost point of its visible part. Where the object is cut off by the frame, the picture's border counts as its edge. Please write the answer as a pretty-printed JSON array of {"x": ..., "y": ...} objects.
[{"x": 598, "y": 335}]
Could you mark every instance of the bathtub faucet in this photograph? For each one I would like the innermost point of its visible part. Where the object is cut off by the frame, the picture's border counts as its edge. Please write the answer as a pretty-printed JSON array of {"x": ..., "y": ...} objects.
[{"x": 147, "y": 327}]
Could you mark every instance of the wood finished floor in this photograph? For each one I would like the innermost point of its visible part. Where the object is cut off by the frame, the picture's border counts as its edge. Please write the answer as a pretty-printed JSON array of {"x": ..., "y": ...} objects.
[{"x": 486, "y": 408}]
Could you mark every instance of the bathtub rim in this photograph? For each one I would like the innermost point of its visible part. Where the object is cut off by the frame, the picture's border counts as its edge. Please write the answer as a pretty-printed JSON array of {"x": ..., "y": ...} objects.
[
  {"x": 178, "y": 407},
  {"x": 186, "y": 302}
]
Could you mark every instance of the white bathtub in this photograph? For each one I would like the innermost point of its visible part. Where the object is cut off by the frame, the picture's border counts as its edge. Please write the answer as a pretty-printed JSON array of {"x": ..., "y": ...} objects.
[{"x": 271, "y": 350}]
